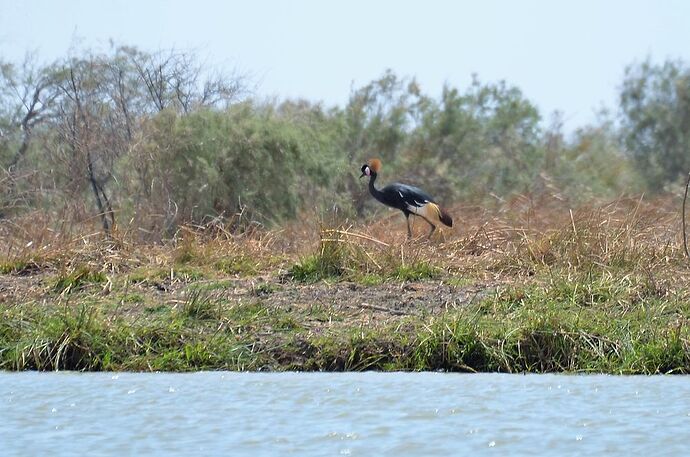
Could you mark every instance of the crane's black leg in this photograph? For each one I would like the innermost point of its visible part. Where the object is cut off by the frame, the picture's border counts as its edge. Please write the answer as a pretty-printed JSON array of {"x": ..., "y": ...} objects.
[
  {"x": 409, "y": 230},
  {"x": 433, "y": 227}
]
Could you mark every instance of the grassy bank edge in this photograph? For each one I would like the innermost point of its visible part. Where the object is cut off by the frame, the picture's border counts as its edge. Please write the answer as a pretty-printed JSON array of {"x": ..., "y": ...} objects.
[{"x": 508, "y": 332}]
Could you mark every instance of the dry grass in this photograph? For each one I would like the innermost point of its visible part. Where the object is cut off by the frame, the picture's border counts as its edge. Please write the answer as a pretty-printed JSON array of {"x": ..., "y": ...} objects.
[
  {"x": 520, "y": 239},
  {"x": 522, "y": 287}
]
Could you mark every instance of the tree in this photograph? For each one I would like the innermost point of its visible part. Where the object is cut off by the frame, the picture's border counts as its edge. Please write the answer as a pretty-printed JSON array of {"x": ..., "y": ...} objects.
[
  {"x": 269, "y": 162},
  {"x": 590, "y": 164},
  {"x": 480, "y": 142},
  {"x": 90, "y": 138},
  {"x": 27, "y": 98},
  {"x": 379, "y": 118},
  {"x": 655, "y": 120},
  {"x": 175, "y": 79},
  {"x": 87, "y": 112}
]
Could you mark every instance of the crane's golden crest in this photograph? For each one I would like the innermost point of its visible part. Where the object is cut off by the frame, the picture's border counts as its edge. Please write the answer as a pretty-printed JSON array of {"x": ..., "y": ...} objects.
[{"x": 375, "y": 165}]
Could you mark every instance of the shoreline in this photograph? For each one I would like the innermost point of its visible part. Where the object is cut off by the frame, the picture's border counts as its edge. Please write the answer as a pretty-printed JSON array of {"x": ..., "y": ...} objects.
[{"x": 250, "y": 324}]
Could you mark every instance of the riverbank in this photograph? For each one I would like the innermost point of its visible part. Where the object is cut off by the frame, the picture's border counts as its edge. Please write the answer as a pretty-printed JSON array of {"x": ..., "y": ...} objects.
[{"x": 601, "y": 289}]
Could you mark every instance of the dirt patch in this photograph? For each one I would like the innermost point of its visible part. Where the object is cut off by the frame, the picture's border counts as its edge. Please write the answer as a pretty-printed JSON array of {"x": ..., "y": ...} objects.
[
  {"x": 352, "y": 301},
  {"x": 392, "y": 298},
  {"x": 22, "y": 287}
]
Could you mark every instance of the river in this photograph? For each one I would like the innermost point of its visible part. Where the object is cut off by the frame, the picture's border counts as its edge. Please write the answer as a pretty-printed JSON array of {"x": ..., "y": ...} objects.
[{"x": 359, "y": 414}]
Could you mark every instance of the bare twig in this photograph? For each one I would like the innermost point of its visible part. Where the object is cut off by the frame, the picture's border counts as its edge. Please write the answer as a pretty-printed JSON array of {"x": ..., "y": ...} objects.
[
  {"x": 685, "y": 237},
  {"x": 384, "y": 309},
  {"x": 357, "y": 235}
]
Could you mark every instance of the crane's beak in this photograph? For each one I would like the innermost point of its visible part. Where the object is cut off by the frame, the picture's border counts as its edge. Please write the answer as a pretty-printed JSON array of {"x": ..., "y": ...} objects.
[{"x": 362, "y": 175}]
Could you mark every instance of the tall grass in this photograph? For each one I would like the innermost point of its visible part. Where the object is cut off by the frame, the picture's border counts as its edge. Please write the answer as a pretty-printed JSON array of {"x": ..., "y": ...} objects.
[
  {"x": 344, "y": 253},
  {"x": 602, "y": 288},
  {"x": 70, "y": 339}
]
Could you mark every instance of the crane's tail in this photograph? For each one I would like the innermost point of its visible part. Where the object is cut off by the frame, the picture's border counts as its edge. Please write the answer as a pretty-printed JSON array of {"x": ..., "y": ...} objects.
[{"x": 441, "y": 214}]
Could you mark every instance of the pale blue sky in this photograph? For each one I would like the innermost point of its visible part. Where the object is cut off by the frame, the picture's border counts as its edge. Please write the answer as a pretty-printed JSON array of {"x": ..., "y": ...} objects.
[{"x": 568, "y": 56}]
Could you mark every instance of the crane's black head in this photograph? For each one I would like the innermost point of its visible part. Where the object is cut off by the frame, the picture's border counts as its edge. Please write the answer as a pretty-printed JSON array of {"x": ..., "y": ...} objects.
[{"x": 371, "y": 168}]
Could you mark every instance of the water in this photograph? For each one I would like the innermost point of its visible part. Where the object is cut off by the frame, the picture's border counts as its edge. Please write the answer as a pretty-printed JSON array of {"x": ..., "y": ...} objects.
[{"x": 366, "y": 414}]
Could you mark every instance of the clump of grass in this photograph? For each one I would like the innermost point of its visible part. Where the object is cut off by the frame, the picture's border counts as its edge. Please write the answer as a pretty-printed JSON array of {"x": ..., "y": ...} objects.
[
  {"x": 667, "y": 353},
  {"x": 590, "y": 289},
  {"x": 208, "y": 286},
  {"x": 155, "y": 309},
  {"x": 369, "y": 279},
  {"x": 459, "y": 281},
  {"x": 132, "y": 297},
  {"x": 355, "y": 349},
  {"x": 156, "y": 275},
  {"x": 199, "y": 304},
  {"x": 224, "y": 252},
  {"x": 332, "y": 261},
  {"x": 77, "y": 279},
  {"x": 18, "y": 266},
  {"x": 450, "y": 345},
  {"x": 237, "y": 265},
  {"x": 263, "y": 289},
  {"x": 72, "y": 339},
  {"x": 315, "y": 268},
  {"x": 143, "y": 275},
  {"x": 246, "y": 318},
  {"x": 246, "y": 314},
  {"x": 286, "y": 322},
  {"x": 344, "y": 254},
  {"x": 7, "y": 266},
  {"x": 546, "y": 344},
  {"x": 621, "y": 236},
  {"x": 321, "y": 313},
  {"x": 415, "y": 271},
  {"x": 185, "y": 253}
]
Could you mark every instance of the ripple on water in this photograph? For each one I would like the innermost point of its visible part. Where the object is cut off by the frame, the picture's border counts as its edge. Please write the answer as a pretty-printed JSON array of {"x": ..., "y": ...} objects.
[{"x": 367, "y": 414}]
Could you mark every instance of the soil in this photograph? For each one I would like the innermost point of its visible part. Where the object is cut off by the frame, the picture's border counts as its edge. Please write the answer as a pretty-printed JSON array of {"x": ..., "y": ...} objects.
[{"x": 350, "y": 300}]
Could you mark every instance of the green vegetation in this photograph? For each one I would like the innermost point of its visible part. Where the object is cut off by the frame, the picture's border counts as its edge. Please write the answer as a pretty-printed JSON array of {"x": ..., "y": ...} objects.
[
  {"x": 12, "y": 267},
  {"x": 514, "y": 330},
  {"x": 593, "y": 291},
  {"x": 151, "y": 156},
  {"x": 655, "y": 101},
  {"x": 67, "y": 282},
  {"x": 148, "y": 223},
  {"x": 344, "y": 254}
]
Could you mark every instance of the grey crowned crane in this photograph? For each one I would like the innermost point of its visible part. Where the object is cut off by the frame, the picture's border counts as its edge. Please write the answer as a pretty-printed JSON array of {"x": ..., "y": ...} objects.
[{"x": 408, "y": 199}]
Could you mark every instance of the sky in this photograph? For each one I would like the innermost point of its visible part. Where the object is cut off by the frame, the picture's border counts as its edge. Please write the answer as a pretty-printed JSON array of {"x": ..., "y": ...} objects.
[{"x": 566, "y": 56}]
